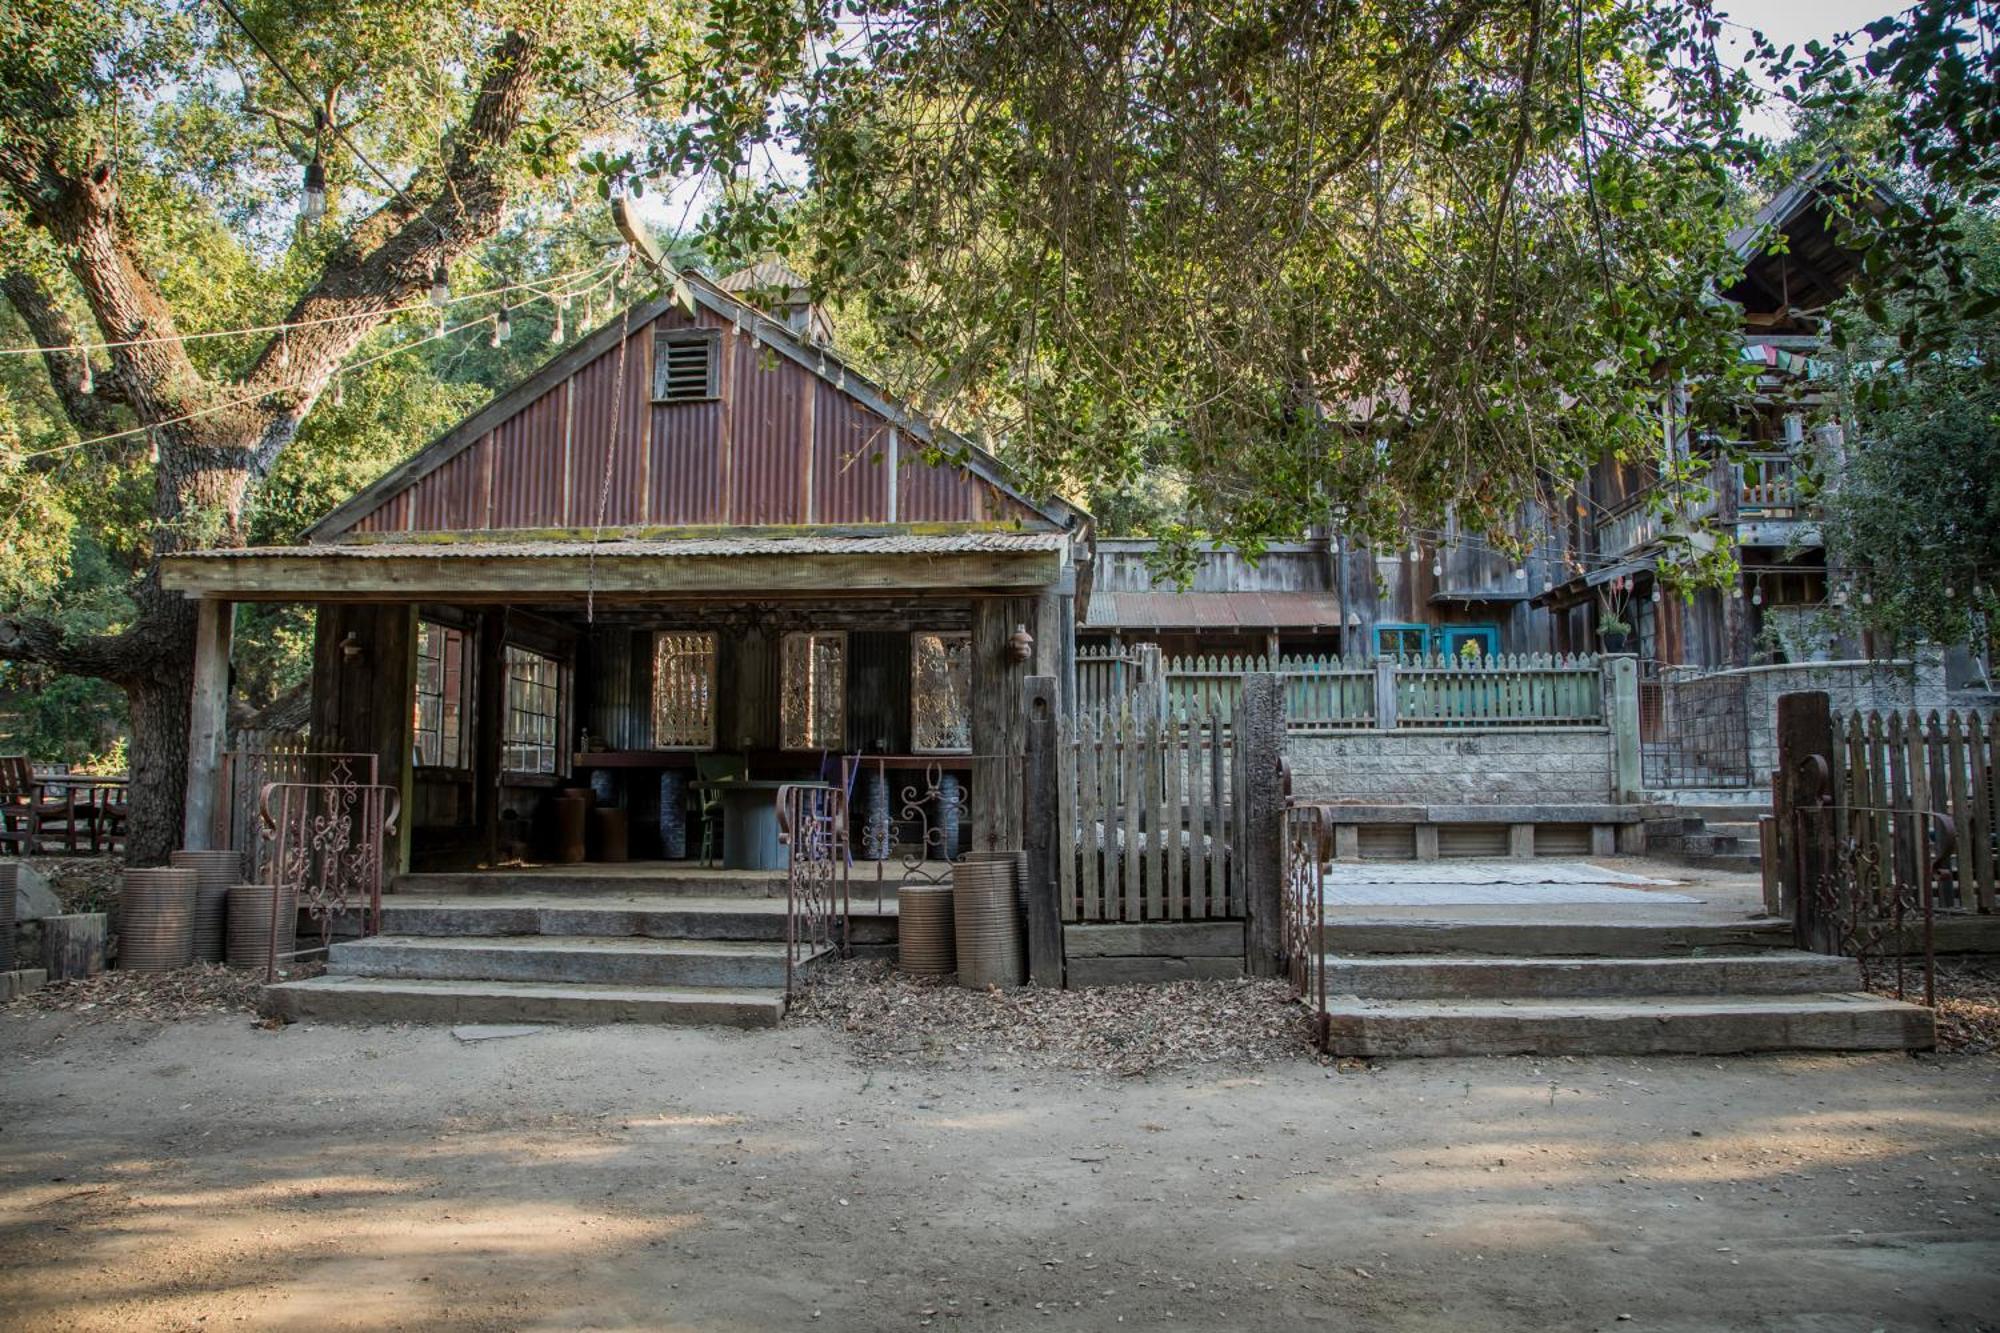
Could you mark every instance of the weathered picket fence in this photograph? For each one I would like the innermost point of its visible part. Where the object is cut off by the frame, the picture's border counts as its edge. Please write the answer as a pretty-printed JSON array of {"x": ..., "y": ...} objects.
[
  {"x": 1505, "y": 690},
  {"x": 1321, "y": 693},
  {"x": 1893, "y": 775},
  {"x": 1147, "y": 810}
]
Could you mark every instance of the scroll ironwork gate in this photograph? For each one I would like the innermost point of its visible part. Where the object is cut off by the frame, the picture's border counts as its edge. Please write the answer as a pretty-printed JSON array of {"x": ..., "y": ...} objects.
[{"x": 813, "y": 825}]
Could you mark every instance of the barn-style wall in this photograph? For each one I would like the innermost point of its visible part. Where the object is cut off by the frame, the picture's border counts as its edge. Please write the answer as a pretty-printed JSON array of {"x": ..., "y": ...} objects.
[{"x": 780, "y": 445}]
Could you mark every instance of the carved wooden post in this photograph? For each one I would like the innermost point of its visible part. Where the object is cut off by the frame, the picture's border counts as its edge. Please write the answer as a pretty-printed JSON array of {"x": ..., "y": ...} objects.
[
  {"x": 1040, "y": 702},
  {"x": 1621, "y": 715},
  {"x": 1805, "y": 749},
  {"x": 1260, "y": 730}
]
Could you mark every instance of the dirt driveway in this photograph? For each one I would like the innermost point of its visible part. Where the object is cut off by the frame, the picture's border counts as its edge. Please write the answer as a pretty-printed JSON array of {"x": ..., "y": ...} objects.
[{"x": 209, "y": 1174}]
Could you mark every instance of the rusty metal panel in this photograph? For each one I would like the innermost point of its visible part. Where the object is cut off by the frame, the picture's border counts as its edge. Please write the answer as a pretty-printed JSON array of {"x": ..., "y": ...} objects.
[
  {"x": 608, "y": 442},
  {"x": 850, "y": 460},
  {"x": 767, "y": 454},
  {"x": 945, "y": 493},
  {"x": 448, "y": 499},
  {"x": 528, "y": 463}
]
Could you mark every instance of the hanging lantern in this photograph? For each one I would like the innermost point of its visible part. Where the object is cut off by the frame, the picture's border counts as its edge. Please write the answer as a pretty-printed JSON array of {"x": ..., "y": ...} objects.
[
  {"x": 440, "y": 287},
  {"x": 312, "y": 204}
]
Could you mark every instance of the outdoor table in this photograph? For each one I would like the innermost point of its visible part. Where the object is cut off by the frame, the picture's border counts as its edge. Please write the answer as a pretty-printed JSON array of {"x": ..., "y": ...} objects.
[{"x": 750, "y": 821}]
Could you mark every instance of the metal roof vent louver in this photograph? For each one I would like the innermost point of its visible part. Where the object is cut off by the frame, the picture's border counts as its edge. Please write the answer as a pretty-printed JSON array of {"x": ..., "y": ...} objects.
[{"x": 684, "y": 367}]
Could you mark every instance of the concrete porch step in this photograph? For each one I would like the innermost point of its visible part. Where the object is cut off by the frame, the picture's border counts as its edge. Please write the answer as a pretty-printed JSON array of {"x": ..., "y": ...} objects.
[
  {"x": 668, "y": 916},
  {"x": 1420, "y": 978},
  {"x": 1528, "y": 937},
  {"x": 1633, "y": 1025},
  {"x": 620, "y": 960},
  {"x": 350, "y": 999}
]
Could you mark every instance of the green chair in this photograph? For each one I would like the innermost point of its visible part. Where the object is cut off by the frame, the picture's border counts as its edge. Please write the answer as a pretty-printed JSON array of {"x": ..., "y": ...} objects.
[{"x": 709, "y": 770}]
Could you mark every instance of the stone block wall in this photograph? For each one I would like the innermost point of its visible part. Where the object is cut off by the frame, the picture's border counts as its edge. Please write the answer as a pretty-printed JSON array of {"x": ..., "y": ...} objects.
[
  {"x": 1501, "y": 766},
  {"x": 1863, "y": 686}
]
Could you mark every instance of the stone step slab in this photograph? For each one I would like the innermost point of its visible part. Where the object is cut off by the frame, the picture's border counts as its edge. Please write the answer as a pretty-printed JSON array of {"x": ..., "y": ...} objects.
[
  {"x": 1530, "y": 938},
  {"x": 352, "y": 999},
  {"x": 1628, "y": 1026},
  {"x": 621, "y": 960},
  {"x": 664, "y": 917},
  {"x": 1791, "y": 972}
]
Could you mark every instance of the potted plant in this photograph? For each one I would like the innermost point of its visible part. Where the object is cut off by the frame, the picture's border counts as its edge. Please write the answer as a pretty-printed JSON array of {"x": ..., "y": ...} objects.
[{"x": 1613, "y": 629}]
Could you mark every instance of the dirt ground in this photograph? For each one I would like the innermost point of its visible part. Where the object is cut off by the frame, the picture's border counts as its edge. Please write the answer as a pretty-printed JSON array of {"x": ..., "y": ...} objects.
[{"x": 208, "y": 1174}]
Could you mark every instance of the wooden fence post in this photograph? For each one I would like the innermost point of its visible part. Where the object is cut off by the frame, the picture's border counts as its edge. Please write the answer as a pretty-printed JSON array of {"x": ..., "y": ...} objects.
[
  {"x": 1621, "y": 714},
  {"x": 1385, "y": 693},
  {"x": 1260, "y": 732},
  {"x": 1805, "y": 758},
  {"x": 1040, "y": 702},
  {"x": 208, "y": 722}
]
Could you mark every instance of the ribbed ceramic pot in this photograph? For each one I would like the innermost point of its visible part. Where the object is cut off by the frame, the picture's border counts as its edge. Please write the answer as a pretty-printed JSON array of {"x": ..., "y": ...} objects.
[
  {"x": 250, "y": 924},
  {"x": 986, "y": 925},
  {"x": 156, "y": 910},
  {"x": 8, "y": 891},
  {"x": 925, "y": 945},
  {"x": 216, "y": 873}
]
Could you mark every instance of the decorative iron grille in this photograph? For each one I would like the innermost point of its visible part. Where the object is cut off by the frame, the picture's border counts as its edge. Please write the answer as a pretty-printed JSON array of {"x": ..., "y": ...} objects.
[
  {"x": 813, "y": 824},
  {"x": 813, "y": 691},
  {"x": 683, "y": 690},
  {"x": 320, "y": 847},
  {"x": 940, "y": 693}
]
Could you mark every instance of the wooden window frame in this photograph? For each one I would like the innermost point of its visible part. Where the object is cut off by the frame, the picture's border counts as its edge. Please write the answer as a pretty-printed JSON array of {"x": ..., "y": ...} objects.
[
  {"x": 558, "y": 718},
  {"x": 812, "y": 744},
  {"x": 714, "y": 667},
  {"x": 1400, "y": 627},
  {"x": 965, "y": 637},
  {"x": 458, "y": 761},
  {"x": 709, "y": 339}
]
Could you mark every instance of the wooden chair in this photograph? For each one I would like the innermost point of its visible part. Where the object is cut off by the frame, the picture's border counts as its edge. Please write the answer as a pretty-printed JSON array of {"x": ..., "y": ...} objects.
[
  {"x": 33, "y": 804},
  {"x": 709, "y": 770}
]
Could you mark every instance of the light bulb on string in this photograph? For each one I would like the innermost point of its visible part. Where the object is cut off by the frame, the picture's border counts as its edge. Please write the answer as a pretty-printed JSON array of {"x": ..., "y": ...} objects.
[
  {"x": 339, "y": 392},
  {"x": 1437, "y": 569},
  {"x": 440, "y": 287},
  {"x": 1520, "y": 573},
  {"x": 503, "y": 326},
  {"x": 1867, "y": 597},
  {"x": 85, "y": 383},
  {"x": 1757, "y": 597},
  {"x": 312, "y": 204},
  {"x": 1656, "y": 594},
  {"x": 1736, "y": 593},
  {"x": 284, "y": 355},
  {"x": 556, "y": 333},
  {"x": 152, "y": 447}
]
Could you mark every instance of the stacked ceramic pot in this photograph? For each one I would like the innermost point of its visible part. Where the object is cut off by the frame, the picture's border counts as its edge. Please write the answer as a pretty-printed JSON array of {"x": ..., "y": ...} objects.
[
  {"x": 986, "y": 924},
  {"x": 215, "y": 874},
  {"x": 924, "y": 941},
  {"x": 250, "y": 933},
  {"x": 156, "y": 911},
  {"x": 7, "y": 892}
]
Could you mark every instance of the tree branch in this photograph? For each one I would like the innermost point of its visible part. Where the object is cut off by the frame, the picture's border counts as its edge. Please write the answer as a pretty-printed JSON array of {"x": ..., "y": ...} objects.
[
  {"x": 52, "y": 328},
  {"x": 115, "y": 657}
]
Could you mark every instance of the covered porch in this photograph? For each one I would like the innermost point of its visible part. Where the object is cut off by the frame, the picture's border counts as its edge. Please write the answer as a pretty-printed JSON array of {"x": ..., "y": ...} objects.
[{"x": 679, "y": 679}]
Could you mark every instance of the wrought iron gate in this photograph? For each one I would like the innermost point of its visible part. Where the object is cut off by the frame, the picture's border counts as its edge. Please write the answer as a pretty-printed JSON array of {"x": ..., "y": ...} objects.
[
  {"x": 320, "y": 848},
  {"x": 813, "y": 826}
]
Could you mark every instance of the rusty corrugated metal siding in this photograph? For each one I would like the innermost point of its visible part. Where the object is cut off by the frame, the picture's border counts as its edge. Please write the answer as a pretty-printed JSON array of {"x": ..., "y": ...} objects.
[
  {"x": 602, "y": 439},
  {"x": 529, "y": 457},
  {"x": 779, "y": 446},
  {"x": 850, "y": 465}
]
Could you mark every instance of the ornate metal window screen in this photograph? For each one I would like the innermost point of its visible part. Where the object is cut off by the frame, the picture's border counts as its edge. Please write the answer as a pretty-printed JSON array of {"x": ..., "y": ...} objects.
[
  {"x": 813, "y": 691},
  {"x": 683, "y": 690},
  {"x": 534, "y": 712},
  {"x": 941, "y": 693},
  {"x": 442, "y": 681}
]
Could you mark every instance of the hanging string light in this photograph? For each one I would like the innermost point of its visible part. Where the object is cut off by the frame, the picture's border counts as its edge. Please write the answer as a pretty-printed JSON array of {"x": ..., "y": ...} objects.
[
  {"x": 284, "y": 353},
  {"x": 440, "y": 286},
  {"x": 1757, "y": 597},
  {"x": 339, "y": 392},
  {"x": 85, "y": 384},
  {"x": 152, "y": 447},
  {"x": 503, "y": 328},
  {"x": 1520, "y": 573},
  {"x": 556, "y": 334}
]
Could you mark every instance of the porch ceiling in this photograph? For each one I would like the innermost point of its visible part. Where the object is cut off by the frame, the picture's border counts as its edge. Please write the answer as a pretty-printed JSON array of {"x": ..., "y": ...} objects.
[
  {"x": 520, "y": 571},
  {"x": 1214, "y": 610}
]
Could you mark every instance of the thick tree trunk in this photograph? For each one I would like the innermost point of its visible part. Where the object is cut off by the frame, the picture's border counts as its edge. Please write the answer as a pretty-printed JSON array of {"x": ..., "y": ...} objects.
[{"x": 161, "y": 705}]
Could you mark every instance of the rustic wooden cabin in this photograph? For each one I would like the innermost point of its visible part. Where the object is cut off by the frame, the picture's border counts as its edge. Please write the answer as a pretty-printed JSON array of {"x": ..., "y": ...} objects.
[{"x": 696, "y": 541}]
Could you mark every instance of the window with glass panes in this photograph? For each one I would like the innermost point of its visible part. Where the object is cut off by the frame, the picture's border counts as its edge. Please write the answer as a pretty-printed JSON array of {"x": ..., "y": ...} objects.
[
  {"x": 442, "y": 683},
  {"x": 813, "y": 689},
  {"x": 941, "y": 693},
  {"x": 534, "y": 712}
]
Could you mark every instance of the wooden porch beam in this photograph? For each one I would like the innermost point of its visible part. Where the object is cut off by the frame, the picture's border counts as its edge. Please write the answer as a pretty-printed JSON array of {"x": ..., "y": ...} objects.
[{"x": 505, "y": 579}]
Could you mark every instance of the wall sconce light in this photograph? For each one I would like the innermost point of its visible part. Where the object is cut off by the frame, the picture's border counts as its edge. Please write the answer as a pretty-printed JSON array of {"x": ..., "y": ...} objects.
[
  {"x": 1021, "y": 644},
  {"x": 351, "y": 651}
]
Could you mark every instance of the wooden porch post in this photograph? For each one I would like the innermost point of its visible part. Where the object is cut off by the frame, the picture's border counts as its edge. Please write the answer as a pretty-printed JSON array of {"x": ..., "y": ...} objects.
[
  {"x": 997, "y": 739},
  {"x": 1040, "y": 701},
  {"x": 489, "y": 696},
  {"x": 208, "y": 725},
  {"x": 1260, "y": 730}
]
